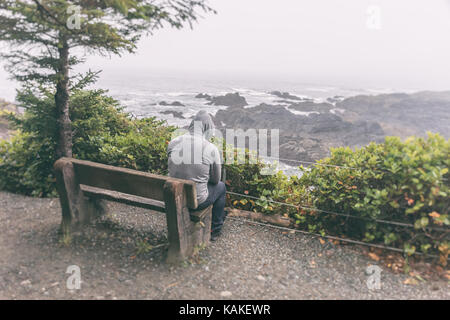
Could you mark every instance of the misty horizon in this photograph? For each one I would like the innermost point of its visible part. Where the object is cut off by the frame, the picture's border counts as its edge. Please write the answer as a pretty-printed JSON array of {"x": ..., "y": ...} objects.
[{"x": 323, "y": 42}]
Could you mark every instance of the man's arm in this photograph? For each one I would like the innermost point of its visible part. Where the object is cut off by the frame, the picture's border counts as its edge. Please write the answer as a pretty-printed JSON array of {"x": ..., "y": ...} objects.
[
  {"x": 215, "y": 172},
  {"x": 215, "y": 168}
]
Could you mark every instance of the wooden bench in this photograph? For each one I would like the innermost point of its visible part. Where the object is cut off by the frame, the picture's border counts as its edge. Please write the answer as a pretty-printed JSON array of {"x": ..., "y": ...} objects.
[{"x": 82, "y": 185}]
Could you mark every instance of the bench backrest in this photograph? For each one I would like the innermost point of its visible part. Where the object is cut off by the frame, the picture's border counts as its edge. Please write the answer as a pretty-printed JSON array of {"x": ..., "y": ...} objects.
[{"x": 128, "y": 181}]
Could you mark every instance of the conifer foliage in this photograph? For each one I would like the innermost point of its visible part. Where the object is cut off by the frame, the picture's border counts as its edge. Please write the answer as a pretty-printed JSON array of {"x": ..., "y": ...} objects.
[{"x": 47, "y": 38}]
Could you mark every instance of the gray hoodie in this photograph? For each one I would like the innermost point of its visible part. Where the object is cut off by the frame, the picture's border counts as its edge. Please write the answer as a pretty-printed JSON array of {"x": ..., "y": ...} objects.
[{"x": 193, "y": 157}]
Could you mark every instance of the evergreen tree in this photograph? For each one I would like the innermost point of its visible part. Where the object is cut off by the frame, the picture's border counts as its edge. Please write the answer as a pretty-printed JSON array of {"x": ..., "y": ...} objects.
[{"x": 47, "y": 38}]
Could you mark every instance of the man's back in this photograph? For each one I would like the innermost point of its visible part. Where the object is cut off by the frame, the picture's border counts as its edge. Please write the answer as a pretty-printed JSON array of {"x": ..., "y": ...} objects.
[
  {"x": 197, "y": 166},
  {"x": 193, "y": 157}
]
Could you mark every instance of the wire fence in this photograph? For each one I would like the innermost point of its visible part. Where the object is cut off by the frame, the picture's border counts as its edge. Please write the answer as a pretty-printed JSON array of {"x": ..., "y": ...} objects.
[
  {"x": 316, "y": 235},
  {"x": 379, "y": 246},
  {"x": 396, "y": 223}
]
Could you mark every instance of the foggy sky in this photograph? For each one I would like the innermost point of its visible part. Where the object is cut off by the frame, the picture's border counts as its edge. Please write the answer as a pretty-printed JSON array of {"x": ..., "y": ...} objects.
[
  {"x": 309, "y": 40},
  {"x": 316, "y": 41}
]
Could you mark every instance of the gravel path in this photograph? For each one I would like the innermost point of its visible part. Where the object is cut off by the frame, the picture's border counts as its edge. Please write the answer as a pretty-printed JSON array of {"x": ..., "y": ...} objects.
[{"x": 248, "y": 262}]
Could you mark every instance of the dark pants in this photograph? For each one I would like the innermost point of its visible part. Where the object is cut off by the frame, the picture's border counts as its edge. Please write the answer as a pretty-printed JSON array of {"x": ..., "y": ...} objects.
[{"x": 216, "y": 197}]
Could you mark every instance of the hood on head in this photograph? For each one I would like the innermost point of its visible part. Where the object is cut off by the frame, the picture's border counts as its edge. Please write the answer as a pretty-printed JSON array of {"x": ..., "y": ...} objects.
[{"x": 201, "y": 124}]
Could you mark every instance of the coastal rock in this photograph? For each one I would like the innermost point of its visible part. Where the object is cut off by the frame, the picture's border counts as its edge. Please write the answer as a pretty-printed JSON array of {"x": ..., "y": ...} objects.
[
  {"x": 171, "y": 104},
  {"x": 308, "y": 130},
  {"x": 335, "y": 99},
  {"x": 203, "y": 96},
  {"x": 311, "y": 106},
  {"x": 401, "y": 114},
  {"x": 229, "y": 100},
  {"x": 302, "y": 137},
  {"x": 285, "y": 95},
  {"x": 176, "y": 114}
]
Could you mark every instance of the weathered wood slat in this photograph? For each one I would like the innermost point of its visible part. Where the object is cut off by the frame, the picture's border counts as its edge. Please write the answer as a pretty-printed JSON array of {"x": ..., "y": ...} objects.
[
  {"x": 123, "y": 198},
  {"x": 133, "y": 182}
]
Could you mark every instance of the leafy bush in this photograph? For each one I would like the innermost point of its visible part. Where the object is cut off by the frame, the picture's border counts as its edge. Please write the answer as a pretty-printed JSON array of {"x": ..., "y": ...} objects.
[
  {"x": 25, "y": 165},
  {"x": 405, "y": 182},
  {"x": 247, "y": 178},
  {"x": 103, "y": 132},
  {"x": 398, "y": 181},
  {"x": 26, "y": 160}
]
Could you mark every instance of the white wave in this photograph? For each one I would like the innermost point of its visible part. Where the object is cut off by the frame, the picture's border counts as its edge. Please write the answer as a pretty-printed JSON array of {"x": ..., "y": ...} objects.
[
  {"x": 321, "y": 89},
  {"x": 302, "y": 113},
  {"x": 251, "y": 92},
  {"x": 178, "y": 94},
  {"x": 334, "y": 110}
]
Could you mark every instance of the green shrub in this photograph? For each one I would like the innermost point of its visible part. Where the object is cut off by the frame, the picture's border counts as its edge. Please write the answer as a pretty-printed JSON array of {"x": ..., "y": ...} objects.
[
  {"x": 102, "y": 132},
  {"x": 398, "y": 181},
  {"x": 27, "y": 158},
  {"x": 144, "y": 148},
  {"x": 25, "y": 165},
  {"x": 406, "y": 182}
]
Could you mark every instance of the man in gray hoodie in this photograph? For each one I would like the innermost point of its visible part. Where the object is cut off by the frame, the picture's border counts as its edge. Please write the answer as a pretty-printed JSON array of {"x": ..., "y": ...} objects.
[{"x": 193, "y": 157}]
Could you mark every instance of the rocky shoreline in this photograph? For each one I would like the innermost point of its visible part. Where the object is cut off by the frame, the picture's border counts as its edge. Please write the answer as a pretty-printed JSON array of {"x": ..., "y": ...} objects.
[{"x": 308, "y": 129}]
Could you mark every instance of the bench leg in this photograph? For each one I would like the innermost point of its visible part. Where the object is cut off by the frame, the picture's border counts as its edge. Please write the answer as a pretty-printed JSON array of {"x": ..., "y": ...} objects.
[
  {"x": 184, "y": 235},
  {"x": 74, "y": 205},
  {"x": 202, "y": 228}
]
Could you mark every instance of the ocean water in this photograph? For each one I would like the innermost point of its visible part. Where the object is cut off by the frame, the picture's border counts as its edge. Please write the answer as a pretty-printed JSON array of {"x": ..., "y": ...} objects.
[{"x": 141, "y": 93}]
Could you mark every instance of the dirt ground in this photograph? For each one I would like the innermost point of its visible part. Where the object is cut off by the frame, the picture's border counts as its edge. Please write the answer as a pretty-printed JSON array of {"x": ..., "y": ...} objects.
[{"x": 122, "y": 257}]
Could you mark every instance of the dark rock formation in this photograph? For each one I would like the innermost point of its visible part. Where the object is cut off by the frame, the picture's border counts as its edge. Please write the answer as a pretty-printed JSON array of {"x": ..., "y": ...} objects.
[
  {"x": 176, "y": 114},
  {"x": 305, "y": 138},
  {"x": 310, "y": 106},
  {"x": 335, "y": 99},
  {"x": 229, "y": 100},
  {"x": 402, "y": 114},
  {"x": 285, "y": 95},
  {"x": 363, "y": 119},
  {"x": 203, "y": 96},
  {"x": 171, "y": 104}
]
